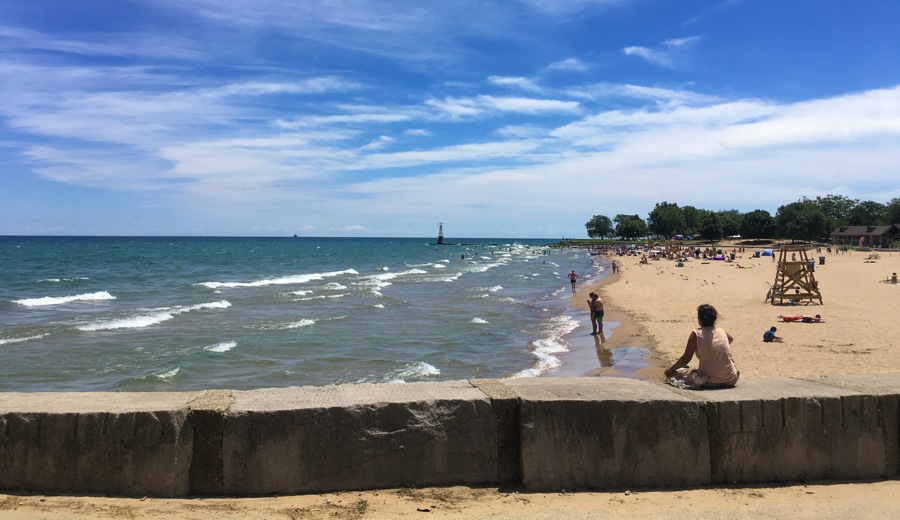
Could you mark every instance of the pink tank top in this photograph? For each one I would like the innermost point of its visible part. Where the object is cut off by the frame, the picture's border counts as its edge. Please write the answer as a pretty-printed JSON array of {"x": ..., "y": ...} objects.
[{"x": 714, "y": 354}]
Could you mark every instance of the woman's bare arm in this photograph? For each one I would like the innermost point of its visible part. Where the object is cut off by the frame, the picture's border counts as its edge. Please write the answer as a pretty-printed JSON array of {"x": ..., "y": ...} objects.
[{"x": 685, "y": 358}]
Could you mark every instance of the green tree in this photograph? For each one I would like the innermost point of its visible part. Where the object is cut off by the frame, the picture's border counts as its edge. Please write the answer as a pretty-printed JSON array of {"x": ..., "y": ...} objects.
[
  {"x": 731, "y": 222},
  {"x": 892, "y": 211},
  {"x": 665, "y": 219},
  {"x": 630, "y": 226},
  {"x": 868, "y": 213},
  {"x": 599, "y": 226},
  {"x": 802, "y": 221},
  {"x": 711, "y": 226},
  {"x": 691, "y": 217},
  {"x": 837, "y": 208},
  {"x": 758, "y": 224}
]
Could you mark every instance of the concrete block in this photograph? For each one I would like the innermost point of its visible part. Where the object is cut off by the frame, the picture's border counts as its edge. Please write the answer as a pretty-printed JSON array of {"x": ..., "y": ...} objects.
[
  {"x": 506, "y": 407},
  {"x": 208, "y": 414},
  {"x": 368, "y": 436},
  {"x": 778, "y": 430},
  {"x": 125, "y": 443},
  {"x": 886, "y": 388},
  {"x": 596, "y": 433}
]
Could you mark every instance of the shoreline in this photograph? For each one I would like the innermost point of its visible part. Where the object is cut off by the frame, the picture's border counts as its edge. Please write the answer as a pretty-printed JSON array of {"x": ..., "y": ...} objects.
[
  {"x": 625, "y": 350},
  {"x": 653, "y": 310}
]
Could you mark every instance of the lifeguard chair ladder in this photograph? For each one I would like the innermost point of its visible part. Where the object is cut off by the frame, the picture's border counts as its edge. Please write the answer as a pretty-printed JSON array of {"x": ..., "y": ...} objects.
[{"x": 794, "y": 279}]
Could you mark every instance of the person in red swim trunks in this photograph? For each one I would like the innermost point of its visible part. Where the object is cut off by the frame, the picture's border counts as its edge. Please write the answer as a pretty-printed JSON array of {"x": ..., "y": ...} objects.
[{"x": 572, "y": 277}]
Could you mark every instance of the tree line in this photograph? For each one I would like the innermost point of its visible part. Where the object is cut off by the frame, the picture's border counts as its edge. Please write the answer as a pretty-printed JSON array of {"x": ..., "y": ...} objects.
[{"x": 806, "y": 219}]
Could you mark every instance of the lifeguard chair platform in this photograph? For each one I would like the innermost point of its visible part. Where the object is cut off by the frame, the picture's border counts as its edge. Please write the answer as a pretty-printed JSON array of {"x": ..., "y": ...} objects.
[{"x": 795, "y": 279}]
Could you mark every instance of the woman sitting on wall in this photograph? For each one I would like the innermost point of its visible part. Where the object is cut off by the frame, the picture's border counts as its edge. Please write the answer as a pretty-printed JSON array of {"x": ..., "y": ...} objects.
[{"x": 711, "y": 344}]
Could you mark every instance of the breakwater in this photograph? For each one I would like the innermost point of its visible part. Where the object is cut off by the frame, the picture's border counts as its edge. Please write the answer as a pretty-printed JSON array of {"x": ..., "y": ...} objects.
[{"x": 536, "y": 434}]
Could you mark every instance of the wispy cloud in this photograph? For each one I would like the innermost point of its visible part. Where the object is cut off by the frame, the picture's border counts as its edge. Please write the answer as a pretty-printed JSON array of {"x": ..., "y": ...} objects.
[
  {"x": 669, "y": 55},
  {"x": 568, "y": 65},
  {"x": 515, "y": 82},
  {"x": 490, "y": 105}
]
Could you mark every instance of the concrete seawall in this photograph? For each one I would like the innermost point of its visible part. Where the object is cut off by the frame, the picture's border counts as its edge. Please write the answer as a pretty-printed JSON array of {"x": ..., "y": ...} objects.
[{"x": 539, "y": 434}]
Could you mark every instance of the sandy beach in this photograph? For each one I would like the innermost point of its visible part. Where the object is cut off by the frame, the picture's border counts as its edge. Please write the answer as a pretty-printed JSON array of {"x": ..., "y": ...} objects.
[
  {"x": 874, "y": 500},
  {"x": 858, "y": 333},
  {"x": 652, "y": 306}
]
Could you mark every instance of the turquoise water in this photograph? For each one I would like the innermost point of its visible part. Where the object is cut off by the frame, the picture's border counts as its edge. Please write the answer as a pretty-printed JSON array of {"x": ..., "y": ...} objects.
[{"x": 137, "y": 314}]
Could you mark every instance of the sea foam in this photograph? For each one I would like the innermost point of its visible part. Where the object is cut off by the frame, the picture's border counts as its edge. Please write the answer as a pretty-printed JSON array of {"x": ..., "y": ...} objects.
[
  {"x": 225, "y": 346},
  {"x": 59, "y": 300},
  {"x": 169, "y": 374},
  {"x": 284, "y": 280},
  {"x": 414, "y": 371},
  {"x": 154, "y": 317},
  {"x": 546, "y": 348},
  {"x": 7, "y": 341}
]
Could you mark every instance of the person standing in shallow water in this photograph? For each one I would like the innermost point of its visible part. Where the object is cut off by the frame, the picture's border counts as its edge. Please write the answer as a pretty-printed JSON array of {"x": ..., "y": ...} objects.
[
  {"x": 712, "y": 345},
  {"x": 572, "y": 277},
  {"x": 596, "y": 306}
]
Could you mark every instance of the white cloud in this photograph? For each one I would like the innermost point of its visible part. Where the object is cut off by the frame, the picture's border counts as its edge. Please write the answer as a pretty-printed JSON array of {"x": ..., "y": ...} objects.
[
  {"x": 568, "y": 65},
  {"x": 379, "y": 143},
  {"x": 488, "y": 105},
  {"x": 515, "y": 82},
  {"x": 670, "y": 55},
  {"x": 530, "y": 105}
]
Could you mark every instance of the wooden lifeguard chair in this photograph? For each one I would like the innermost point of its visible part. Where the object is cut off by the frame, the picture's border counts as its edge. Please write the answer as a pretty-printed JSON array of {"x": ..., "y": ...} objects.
[{"x": 795, "y": 279}]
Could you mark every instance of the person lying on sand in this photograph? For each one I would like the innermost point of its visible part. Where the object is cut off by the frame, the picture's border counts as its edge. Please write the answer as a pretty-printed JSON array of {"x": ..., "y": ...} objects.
[{"x": 803, "y": 319}]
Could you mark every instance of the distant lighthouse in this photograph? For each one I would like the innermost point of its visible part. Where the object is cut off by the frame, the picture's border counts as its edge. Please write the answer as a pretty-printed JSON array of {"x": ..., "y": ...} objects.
[{"x": 440, "y": 234}]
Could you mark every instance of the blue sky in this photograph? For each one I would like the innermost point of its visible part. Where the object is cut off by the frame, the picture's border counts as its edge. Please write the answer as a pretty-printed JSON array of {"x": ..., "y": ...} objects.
[{"x": 517, "y": 118}]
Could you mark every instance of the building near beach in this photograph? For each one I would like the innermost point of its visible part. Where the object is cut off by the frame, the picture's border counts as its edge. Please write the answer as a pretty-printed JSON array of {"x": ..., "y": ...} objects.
[{"x": 872, "y": 236}]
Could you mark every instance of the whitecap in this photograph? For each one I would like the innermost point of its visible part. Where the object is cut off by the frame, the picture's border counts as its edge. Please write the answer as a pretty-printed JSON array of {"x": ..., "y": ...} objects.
[
  {"x": 225, "y": 346},
  {"x": 58, "y": 300},
  {"x": 545, "y": 349},
  {"x": 334, "y": 286},
  {"x": 300, "y": 324},
  {"x": 284, "y": 280},
  {"x": 477, "y": 320},
  {"x": 416, "y": 370},
  {"x": 439, "y": 266},
  {"x": 380, "y": 281},
  {"x": 154, "y": 317},
  {"x": 322, "y": 297},
  {"x": 289, "y": 325},
  {"x": 169, "y": 374},
  {"x": 301, "y": 293},
  {"x": 7, "y": 341},
  {"x": 378, "y": 306}
]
